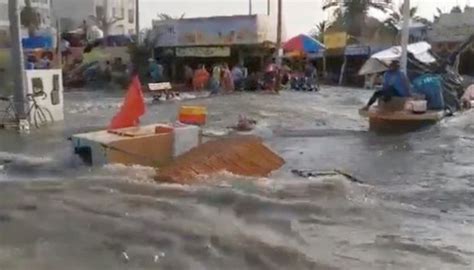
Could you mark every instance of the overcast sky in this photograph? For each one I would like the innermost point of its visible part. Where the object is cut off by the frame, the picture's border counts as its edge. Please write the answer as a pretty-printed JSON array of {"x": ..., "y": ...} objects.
[{"x": 300, "y": 15}]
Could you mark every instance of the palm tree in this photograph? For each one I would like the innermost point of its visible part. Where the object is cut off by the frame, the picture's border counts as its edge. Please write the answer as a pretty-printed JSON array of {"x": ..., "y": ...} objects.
[
  {"x": 354, "y": 13},
  {"x": 166, "y": 17},
  {"x": 30, "y": 18},
  {"x": 396, "y": 18},
  {"x": 413, "y": 13},
  {"x": 103, "y": 21},
  {"x": 437, "y": 15},
  {"x": 456, "y": 9},
  {"x": 319, "y": 31}
]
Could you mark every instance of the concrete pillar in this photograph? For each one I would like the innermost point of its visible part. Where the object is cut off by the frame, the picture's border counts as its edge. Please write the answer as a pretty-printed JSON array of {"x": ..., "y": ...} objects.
[{"x": 17, "y": 60}]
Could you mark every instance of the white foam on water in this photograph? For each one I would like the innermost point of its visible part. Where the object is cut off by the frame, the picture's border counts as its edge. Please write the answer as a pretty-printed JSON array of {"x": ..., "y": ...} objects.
[
  {"x": 23, "y": 158},
  {"x": 134, "y": 173},
  {"x": 89, "y": 107}
]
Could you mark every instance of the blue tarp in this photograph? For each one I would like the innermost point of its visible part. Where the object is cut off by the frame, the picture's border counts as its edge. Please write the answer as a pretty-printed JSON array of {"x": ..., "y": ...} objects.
[
  {"x": 430, "y": 86},
  {"x": 37, "y": 42}
]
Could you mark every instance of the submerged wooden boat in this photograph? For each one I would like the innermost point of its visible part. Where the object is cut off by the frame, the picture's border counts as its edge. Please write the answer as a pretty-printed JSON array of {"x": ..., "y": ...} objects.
[
  {"x": 393, "y": 117},
  {"x": 401, "y": 121}
]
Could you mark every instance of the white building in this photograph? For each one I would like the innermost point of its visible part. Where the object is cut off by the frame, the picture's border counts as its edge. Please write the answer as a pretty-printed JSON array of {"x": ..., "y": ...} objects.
[
  {"x": 42, "y": 6},
  {"x": 119, "y": 14}
]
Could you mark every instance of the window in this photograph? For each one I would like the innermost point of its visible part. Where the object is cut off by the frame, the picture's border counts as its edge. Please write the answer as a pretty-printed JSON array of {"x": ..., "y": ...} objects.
[
  {"x": 131, "y": 16},
  {"x": 3, "y": 12},
  {"x": 131, "y": 11},
  {"x": 99, "y": 12}
]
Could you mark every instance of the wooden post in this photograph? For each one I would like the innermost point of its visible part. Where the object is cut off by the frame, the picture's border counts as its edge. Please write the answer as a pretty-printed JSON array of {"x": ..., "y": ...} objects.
[
  {"x": 58, "y": 45},
  {"x": 343, "y": 70},
  {"x": 324, "y": 67},
  {"x": 17, "y": 63},
  {"x": 405, "y": 35},
  {"x": 278, "y": 45},
  {"x": 137, "y": 23}
]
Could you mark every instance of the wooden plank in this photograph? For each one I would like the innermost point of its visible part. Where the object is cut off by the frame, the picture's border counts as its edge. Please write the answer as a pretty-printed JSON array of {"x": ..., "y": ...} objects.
[
  {"x": 242, "y": 155},
  {"x": 406, "y": 115},
  {"x": 155, "y": 87}
]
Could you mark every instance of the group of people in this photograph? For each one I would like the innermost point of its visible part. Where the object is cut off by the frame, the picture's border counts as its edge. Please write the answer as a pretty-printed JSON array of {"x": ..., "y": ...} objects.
[
  {"x": 220, "y": 78},
  {"x": 303, "y": 80}
]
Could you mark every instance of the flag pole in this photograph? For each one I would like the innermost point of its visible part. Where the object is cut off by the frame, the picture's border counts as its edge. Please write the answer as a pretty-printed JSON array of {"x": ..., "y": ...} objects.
[{"x": 137, "y": 18}]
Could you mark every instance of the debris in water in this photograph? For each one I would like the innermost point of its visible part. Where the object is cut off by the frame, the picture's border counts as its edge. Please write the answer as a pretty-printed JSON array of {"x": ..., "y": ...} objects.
[
  {"x": 335, "y": 172},
  {"x": 125, "y": 256},
  {"x": 244, "y": 124},
  {"x": 240, "y": 155},
  {"x": 5, "y": 218}
]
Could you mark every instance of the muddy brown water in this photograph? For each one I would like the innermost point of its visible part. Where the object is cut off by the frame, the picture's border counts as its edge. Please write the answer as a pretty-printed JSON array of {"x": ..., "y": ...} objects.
[{"x": 415, "y": 210}]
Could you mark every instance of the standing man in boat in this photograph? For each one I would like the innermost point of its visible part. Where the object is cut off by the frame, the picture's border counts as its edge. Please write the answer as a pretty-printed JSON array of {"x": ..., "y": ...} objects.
[{"x": 395, "y": 84}]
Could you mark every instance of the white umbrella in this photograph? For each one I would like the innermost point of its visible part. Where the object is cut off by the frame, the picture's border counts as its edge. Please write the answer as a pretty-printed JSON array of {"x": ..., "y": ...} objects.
[{"x": 379, "y": 62}]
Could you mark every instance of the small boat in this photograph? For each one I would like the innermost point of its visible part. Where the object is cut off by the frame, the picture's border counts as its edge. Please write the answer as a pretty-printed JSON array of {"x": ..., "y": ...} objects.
[
  {"x": 401, "y": 121},
  {"x": 395, "y": 117}
]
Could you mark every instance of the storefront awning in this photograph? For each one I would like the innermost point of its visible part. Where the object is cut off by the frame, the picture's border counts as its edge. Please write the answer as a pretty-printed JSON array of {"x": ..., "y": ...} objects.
[{"x": 204, "y": 52}]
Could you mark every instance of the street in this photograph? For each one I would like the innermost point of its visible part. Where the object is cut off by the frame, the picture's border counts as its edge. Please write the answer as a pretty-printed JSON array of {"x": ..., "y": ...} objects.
[{"x": 412, "y": 211}]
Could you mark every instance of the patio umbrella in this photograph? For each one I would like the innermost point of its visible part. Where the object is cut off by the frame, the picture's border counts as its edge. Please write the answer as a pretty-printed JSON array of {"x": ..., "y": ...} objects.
[
  {"x": 380, "y": 61},
  {"x": 303, "y": 44}
]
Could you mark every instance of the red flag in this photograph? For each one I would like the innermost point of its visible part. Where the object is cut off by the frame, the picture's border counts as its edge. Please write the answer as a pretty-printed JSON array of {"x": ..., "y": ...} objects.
[{"x": 133, "y": 107}]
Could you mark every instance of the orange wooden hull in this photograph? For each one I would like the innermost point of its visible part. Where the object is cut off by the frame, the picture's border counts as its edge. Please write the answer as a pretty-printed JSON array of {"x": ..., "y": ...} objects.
[{"x": 401, "y": 121}]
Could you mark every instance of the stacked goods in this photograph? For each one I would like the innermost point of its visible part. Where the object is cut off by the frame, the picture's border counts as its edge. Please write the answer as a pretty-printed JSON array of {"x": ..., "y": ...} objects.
[
  {"x": 242, "y": 155},
  {"x": 193, "y": 115}
]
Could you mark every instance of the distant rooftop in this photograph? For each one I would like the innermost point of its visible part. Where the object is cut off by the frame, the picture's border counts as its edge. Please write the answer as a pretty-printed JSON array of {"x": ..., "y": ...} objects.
[{"x": 215, "y": 31}]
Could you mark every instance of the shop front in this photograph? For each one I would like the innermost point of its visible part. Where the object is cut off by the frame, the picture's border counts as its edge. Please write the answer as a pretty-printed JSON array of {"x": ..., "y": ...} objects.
[{"x": 247, "y": 40}]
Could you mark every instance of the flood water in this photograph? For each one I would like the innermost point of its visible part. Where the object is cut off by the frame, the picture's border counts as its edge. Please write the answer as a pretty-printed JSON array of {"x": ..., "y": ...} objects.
[{"x": 414, "y": 210}]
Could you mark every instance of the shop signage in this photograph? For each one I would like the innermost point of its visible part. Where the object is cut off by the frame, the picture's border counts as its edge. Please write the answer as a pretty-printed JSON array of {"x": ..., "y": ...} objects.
[
  {"x": 203, "y": 52},
  {"x": 335, "y": 40}
]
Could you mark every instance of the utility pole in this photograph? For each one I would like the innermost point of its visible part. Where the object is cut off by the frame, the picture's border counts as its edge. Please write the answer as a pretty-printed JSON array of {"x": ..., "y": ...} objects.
[
  {"x": 17, "y": 63},
  {"x": 268, "y": 7},
  {"x": 278, "y": 45},
  {"x": 137, "y": 23},
  {"x": 405, "y": 35},
  {"x": 250, "y": 7}
]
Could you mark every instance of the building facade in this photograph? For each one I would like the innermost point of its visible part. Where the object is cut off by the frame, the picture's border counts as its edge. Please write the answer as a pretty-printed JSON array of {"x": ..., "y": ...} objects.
[
  {"x": 247, "y": 39},
  {"x": 118, "y": 14},
  {"x": 43, "y": 7},
  {"x": 448, "y": 32}
]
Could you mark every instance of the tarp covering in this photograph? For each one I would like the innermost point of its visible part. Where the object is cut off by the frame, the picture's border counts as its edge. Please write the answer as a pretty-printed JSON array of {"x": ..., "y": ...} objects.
[
  {"x": 39, "y": 42},
  {"x": 373, "y": 66},
  {"x": 419, "y": 50}
]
